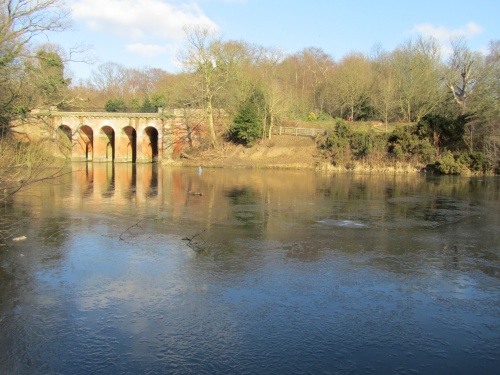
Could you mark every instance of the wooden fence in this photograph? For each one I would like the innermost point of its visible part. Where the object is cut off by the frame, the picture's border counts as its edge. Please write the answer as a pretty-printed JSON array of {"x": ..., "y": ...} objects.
[{"x": 302, "y": 132}]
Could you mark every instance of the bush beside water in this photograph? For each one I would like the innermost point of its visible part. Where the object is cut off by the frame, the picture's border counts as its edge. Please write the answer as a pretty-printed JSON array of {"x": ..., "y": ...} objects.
[{"x": 422, "y": 147}]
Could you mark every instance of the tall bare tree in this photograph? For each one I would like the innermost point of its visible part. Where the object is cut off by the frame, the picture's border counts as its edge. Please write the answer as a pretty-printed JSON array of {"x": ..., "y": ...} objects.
[
  {"x": 463, "y": 69},
  {"x": 110, "y": 78},
  {"x": 277, "y": 92},
  {"x": 417, "y": 67},
  {"x": 23, "y": 20},
  {"x": 201, "y": 57},
  {"x": 384, "y": 91},
  {"x": 353, "y": 82}
]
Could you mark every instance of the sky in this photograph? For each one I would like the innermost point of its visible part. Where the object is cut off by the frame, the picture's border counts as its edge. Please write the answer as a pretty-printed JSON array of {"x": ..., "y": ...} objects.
[{"x": 149, "y": 33}]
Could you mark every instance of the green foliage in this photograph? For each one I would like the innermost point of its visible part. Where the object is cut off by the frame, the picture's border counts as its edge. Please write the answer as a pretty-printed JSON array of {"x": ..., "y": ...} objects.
[
  {"x": 158, "y": 101},
  {"x": 346, "y": 145},
  {"x": 461, "y": 163},
  {"x": 324, "y": 117},
  {"x": 49, "y": 78},
  {"x": 311, "y": 116},
  {"x": 343, "y": 129},
  {"x": 336, "y": 145},
  {"x": 50, "y": 59},
  {"x": 364, "y": 110},
  {"x": 404, "y": 143},
  {"x": 247, "y": 126},
  {"x": 448, "y": 164},
  {"x": 478, "y": 162},
  {"x": 115, "y": 105},
  {"x": 364, "y": 145},
  {"x": 148, "y": 107},
  {"x": 135, "y": 105},
  {"x": 444, "y": 132}
]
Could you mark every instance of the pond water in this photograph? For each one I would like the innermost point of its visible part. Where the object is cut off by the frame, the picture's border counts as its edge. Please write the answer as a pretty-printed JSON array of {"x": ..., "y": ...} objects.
[{"x": 154, "y": 270}]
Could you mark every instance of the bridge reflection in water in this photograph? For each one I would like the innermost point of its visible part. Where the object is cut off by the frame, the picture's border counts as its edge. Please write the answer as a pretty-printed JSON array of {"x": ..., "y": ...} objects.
[
  {"x": 116, "y": 182},
  {"x": 145, "y": 188}
]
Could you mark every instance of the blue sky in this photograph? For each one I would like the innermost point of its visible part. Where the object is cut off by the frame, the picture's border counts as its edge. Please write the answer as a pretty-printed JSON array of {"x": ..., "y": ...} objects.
[{"x": 149, "y": 33}]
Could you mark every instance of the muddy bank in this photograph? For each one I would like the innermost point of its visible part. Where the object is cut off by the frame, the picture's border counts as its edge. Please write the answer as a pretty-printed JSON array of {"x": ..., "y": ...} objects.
[
  {"x": 280, "y": 152},
  {"x": 284, "y": 152}
]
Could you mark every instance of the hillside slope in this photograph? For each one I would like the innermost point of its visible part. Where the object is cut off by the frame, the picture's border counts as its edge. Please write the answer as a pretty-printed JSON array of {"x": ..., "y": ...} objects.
[{"x": 280, "y": 152}]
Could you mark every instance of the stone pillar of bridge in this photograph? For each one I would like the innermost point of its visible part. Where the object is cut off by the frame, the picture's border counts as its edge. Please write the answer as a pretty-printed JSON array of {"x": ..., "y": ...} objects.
[
  {"x": 143, "y": 148},
  {"x": 81, "y": 150},
  {"x": 121, "y": 147}
]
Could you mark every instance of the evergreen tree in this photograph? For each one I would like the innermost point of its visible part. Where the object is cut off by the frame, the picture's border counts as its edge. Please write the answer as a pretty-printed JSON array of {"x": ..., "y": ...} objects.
[{"x": 247, "y": 127}]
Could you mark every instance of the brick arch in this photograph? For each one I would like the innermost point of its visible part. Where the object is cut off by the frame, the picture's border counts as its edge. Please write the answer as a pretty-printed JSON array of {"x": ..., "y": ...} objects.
[
  {"x": 64, "y": 139},
  {"x": 149, "y": 144},
  {"x": 65, "y": 130},
  {"x": 126, "y": 145},
  {"x": 83, "y": 144},
  {"x": 104, "y": 144}
]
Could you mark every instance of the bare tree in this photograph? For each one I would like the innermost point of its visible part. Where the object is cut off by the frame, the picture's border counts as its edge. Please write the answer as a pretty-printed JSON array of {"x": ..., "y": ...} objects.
[
  {"x": 110, "y": 78},
  {"x": 416, "y": 64},
  {"x": 20, "y": 22},
  {"x": 353, "y": 81},
  {"x": 462, "y": 73},
  {"x": 384, "y": 97},
  {"x": 23, "y": 20},
  {"x": 202, "y": 57},
  {"x": 273, "y": 87}
]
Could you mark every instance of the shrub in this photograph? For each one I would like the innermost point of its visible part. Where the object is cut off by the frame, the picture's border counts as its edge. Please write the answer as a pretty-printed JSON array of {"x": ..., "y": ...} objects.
[
  {"x": 311, "y": 116},
  {"x": 343, "y": 129},
  {"x": 324, "y": 117},
  {"x": 447, "y": 164},
  {"x": 475, "y": 162},
  {"x": 404, "y": 143},
  {"x": 148, "y": 107},
  {"x": 443, "y": 131},
  {"x": 247, "y": 126},
  {"x": 115, "y": 105}
]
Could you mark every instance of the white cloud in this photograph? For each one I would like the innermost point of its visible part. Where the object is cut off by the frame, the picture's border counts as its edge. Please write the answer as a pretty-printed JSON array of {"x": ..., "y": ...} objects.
[
  {"x": 147, "y": 50},
  {"x": 444, "y": 35},
  {"x": 139, "y": 19}
]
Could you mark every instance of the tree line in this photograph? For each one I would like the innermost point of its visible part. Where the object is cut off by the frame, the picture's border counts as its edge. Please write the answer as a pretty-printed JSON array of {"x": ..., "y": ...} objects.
[
  {"x": 450, "y": 102},
  {"x": 258, "y": 87}
]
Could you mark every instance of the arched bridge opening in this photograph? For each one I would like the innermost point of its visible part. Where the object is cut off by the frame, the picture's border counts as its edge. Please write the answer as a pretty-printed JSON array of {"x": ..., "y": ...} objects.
[
  {"x": 126, "y": 145},
  {"x": 104, "y": 144},
  {"x": 83, "y": 144},
  {"x": 150, "y": 144},
  {"x": 64, "y": 140}
]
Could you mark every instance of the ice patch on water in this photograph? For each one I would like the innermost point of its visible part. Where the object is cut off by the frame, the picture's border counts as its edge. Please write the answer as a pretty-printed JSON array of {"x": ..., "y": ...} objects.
[{"x": 342, "y": 223}]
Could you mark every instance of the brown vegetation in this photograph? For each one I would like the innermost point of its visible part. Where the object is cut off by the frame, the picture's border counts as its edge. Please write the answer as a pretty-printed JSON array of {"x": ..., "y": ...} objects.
[{"x": 284, "y": 151}]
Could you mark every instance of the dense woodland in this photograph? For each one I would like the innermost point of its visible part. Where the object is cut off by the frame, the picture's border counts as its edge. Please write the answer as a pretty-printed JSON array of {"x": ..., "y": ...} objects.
[{"x": 435, "y": 110}]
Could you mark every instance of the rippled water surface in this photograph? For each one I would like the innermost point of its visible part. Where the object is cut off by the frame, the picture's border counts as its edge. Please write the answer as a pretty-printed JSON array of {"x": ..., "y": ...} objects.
[{"x": 151, "y": 270}]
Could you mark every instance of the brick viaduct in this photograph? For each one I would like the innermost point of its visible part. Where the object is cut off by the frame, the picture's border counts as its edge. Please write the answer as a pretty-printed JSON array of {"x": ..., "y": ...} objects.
[{"x": 121, "y": 137}]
